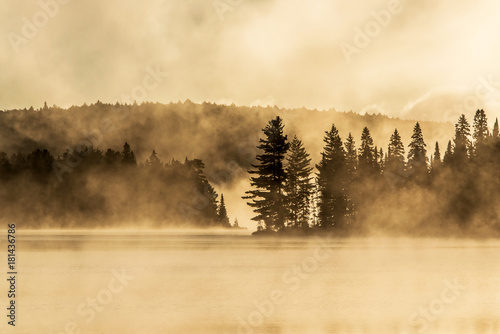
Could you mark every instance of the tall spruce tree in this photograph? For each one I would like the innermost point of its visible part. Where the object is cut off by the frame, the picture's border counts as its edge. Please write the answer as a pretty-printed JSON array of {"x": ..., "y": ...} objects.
[
  {"x": 222, "y": 217},
  {"x": 298, "y": 185},
  {"x": 153, "y": 161},
  {"x": 331, "y": 181},
  {"x": 381, "y": 160},
  {"x": 204, "y": 192},
  {"x": 480, "y": 135},
  {"x": 395, "y": 164},
  {"x": 436, "y": 157},
  {"x": 366, "y": 158},
  {"x": 417, "y": 156},
  {"x": 351, "y": 157},
  {"x": 462, "y": 141},
  {"x": 351, "y": 165},
  {"x": 448, "y": 155},
  {"x": 128, "y": 156},
  {"x": 495, "y": 133},
  {"x": 268, "y": 199}
]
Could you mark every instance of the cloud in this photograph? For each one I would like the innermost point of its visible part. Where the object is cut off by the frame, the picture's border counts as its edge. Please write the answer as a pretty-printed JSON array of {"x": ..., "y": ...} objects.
[{"x": 285, "y": 49}]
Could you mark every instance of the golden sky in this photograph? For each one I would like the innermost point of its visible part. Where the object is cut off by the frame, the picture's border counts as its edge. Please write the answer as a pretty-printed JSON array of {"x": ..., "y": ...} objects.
[{"x": 416, "y": 59}]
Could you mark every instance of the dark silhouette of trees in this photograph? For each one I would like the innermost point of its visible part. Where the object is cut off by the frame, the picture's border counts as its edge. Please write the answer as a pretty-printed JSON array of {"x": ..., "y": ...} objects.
[
  {"x": 495, "y": 132},
  {"x": 204, "y": 194},
  {"x": 481, "y": 135},
  {"x": 436, "y": 161},
  {"x": 351, "y": 167},
  {"x": 451, "y": 194},
  {"x": 153, "y": 161},
  {"x": 436, "y": 158},
  {"x": 448, "y": 155},
  {"x": 366, "y": 157},
  {"x": 112, "y": 157},
  {"x": 269, "y": 199},
  {"x": 222, "y": 217},
  {"x": 381, "y": 159},
  {"x": 395, "y": 164},
  {"x": 353, "y": 192},
  {"x": 417, "y": 156},
  {"x": 298, "y": 184},
  {"x": 104, "y": 190},
  {"x": 128, "y": 156},
  {"x": 332, "y": 182},
  {"x": 462, "y": 141},
  {"x": 5, "y": 166}
]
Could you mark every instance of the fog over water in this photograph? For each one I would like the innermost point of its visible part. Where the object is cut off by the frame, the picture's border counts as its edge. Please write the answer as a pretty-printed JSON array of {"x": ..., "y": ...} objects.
[
  {"x": 123, "y": 125},
  {"x": 191, "y": 283}
]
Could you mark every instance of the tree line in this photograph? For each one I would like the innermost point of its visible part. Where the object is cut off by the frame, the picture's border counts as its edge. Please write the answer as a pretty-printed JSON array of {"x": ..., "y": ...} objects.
[
  {"x": 107, "y": 188},
  {"x": 357, "y": 190}
]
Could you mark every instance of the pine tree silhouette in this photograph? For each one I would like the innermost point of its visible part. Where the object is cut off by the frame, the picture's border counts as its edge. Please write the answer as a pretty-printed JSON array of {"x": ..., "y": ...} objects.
[
  {"x": 395, "y": 165},
  {"x": 331, "y": 179},
  {"x": 417, "y": 156},
  {"x": 222, "y": 217},
  {"x": 268, "y": 199},
  {"x": 128, "y": 156},
  {"x": 298, "y": 185},
  {"x": 366, "y": 157}
]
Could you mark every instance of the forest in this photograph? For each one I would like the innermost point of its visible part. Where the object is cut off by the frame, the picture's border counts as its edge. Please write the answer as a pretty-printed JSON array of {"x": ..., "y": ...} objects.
[
  {"x": 355, "y": 190},
  {"x": 107, "y": 189}
]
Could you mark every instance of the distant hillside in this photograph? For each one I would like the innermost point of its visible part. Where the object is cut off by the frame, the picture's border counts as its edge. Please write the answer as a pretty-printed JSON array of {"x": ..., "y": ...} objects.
[{"x": 220, "y": 135}]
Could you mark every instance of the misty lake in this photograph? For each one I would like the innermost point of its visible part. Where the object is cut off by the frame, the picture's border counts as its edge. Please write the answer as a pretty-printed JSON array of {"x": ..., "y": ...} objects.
[{"x": 168, "y": 282}]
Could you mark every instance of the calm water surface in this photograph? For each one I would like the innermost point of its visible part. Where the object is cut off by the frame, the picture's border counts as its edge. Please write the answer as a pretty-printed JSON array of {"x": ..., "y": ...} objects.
[{"x": 162, "y": 282}]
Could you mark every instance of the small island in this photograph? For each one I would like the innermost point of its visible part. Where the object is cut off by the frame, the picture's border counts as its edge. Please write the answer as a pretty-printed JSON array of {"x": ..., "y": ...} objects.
[{"x": 356, "y": 191}]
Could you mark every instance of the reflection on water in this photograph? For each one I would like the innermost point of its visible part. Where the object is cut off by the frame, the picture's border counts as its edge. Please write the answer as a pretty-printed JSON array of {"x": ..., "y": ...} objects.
[{"x": 160, "y": 282}]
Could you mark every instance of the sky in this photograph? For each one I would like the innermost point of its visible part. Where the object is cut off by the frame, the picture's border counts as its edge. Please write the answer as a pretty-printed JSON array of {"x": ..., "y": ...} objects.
[{"x": 413, "y": 59}]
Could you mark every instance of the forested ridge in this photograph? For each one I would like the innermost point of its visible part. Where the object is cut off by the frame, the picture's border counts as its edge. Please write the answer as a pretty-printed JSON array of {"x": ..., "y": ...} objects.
[{"x": 214, "y": 133}]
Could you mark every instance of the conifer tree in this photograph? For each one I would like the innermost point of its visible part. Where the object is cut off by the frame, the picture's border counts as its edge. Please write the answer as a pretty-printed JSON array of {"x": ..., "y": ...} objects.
[
  {"x": 128, "y": 156},
  {"x": 448, "y": 155},
  {"x": 366, "y": 158},
  {"x": 436, "y": 157},
  {"x": 331, "y": 180},
  {"x": 481, "y": 134},
  {"x": 395, "y": 164},
  {"x": 461, "y": 140},
  {"x": 376, "y": 167},
  {"x": 268, "y": 199},
  {"x": 495, "y": 134},
  {"x": 222, "y": 217},
  {"x": 381, "y": 160},
  {"x": 205, "y": 194},
  {"x": 298, "y": 185},
  {"x": 153, "y": 161},
  {"x": 417, "y": 156},
  {"x": 351, "y": 164},
  {"x": 351, "y": 157}
]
